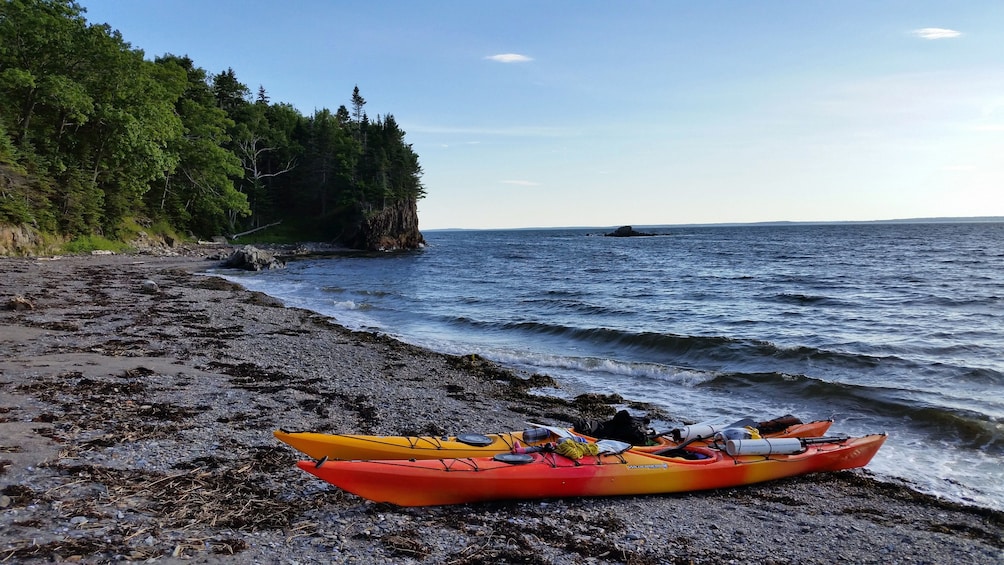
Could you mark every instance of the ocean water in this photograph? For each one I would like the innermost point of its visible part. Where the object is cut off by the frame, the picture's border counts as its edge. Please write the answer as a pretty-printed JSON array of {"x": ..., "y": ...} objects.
[{"x": 894, "y": 328}]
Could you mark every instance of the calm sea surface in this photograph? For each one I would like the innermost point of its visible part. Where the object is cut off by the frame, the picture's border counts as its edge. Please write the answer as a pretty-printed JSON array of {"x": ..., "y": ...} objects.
[{"x": 881, "y": 327}]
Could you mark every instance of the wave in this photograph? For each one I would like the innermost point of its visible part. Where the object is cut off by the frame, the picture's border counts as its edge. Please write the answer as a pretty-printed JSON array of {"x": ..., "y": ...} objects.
[
  {"x": 351, "y": 305},
  {"x": 806, "y": 299},
  {"x": 674, "y": 348},
  {"x": 574, "y": 305},
  {"x": 955, "y": 302},
  {"x": 340, "y": 290},
  {"x": 662, "y": 374},
  {"x": 965, "y": 428}
]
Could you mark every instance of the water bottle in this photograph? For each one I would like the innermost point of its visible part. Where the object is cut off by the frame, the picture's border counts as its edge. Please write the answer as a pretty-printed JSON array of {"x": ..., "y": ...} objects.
[{"x": 531, "y": 435}]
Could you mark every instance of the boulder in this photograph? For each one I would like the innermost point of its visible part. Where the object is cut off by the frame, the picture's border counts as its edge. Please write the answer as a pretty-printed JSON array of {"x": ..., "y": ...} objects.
[
  {"x": 253, "y": 259},
  {"x": 150, "y": 287}
]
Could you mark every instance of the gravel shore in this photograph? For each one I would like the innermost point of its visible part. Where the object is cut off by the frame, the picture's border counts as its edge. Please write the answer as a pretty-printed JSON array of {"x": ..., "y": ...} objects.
[{"x": 137, "y": 401}]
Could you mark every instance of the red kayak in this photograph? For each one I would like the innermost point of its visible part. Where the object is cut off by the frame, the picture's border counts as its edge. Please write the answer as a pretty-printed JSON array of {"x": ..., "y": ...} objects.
[{"x": 631, "y": 472}]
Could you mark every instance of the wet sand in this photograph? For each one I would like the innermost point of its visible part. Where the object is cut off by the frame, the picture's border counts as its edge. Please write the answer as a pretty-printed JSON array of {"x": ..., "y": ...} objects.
[{"x": 136, "y": 420}]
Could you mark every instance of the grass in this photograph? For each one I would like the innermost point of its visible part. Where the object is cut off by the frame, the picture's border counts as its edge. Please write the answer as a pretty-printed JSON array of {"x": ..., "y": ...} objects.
[{"x": 89, "y": 243}]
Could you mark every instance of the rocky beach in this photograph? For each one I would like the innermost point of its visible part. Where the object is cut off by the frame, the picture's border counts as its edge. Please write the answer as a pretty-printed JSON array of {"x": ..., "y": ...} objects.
[{"x": 138, "y": 399}]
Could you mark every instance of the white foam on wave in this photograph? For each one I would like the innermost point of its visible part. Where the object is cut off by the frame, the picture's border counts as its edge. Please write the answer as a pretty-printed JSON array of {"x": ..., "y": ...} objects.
[
  {"x": 936, "y": 468},
  {"x": 347, "y": 313},
  {"x": 350, "y": 305},
  {"x": 597, "y": 367}
]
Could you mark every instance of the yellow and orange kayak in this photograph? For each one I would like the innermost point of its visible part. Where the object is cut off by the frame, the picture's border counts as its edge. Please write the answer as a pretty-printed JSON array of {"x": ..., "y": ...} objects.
[
  {"x": 550, "y": 475},
  {"x": 351, "y": 446}
]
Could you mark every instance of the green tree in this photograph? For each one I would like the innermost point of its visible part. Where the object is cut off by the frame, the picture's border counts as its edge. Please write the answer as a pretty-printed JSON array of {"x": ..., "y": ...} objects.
[
  {"x": 357, "y": 105},
  {"x": 231, "y": 95},
  {"x": 94, "y": 133},
  {"x": 329, "y": 160},
  {"x": 199, "y": 194},
  {"x": 126, "y": 142},
  {"x": 39, "y": 65}
]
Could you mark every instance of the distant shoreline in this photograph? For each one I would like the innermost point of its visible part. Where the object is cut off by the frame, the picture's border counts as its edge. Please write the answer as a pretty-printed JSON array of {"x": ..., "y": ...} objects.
[{"x": 938, "y": 220}]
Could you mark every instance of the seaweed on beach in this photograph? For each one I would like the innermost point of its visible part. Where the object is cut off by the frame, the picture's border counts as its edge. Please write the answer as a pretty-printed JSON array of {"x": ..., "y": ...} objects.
[
  {"x": 213, "y": 334},
  {"x": 515, "y": 533},
  {"x": 406, "y": 543},
  {"x": 124, "y": 414},
  {"x": 261, "y": 299},
  {"x": 252, "y": 377},
  {"x": 115, "y": 548},
  {"x": 246, "y": 420},
  {"x": 19, "y": 495},
  {"x": 126, "y": 348},
  {"x": 59, "y": 326},
  {"x": 73, "y": 549},
  {"x": 76, "y": 384},
  {"x": 223, "y": 494},
  {"x": 477, "y": 365},
  {"x": 216, "y": 283}
]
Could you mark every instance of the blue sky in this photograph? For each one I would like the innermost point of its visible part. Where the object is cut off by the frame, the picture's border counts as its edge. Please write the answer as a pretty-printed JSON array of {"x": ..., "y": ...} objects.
[{"x": 599, "y": 113}]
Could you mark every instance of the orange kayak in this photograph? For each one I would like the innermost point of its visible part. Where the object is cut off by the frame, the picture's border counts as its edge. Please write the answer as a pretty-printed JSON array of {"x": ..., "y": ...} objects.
[
  {"x": 351, "y": 446},
  {"x": 550, "y": 475}
]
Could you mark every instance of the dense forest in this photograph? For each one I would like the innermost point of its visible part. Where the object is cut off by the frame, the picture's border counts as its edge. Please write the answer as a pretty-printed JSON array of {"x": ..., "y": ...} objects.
[{"x": 95, "y": 140}]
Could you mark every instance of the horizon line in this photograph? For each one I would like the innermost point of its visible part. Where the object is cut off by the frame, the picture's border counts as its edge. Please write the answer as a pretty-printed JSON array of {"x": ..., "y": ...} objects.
[{"x": 921, "y": 220}]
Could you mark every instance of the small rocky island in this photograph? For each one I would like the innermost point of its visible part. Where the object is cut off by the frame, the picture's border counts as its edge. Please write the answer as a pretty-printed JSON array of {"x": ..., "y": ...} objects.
[{"x": 628, "y": 231}]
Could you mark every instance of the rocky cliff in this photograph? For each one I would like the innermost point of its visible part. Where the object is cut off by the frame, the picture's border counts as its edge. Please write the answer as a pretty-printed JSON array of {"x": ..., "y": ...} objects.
[
  {"x": 20, "y": 240},
  {"x": 393, "y": 228}
]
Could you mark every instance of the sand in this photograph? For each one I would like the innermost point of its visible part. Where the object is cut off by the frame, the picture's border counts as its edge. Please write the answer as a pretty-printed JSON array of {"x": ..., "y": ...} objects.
[{"x": 137, "y": 401}]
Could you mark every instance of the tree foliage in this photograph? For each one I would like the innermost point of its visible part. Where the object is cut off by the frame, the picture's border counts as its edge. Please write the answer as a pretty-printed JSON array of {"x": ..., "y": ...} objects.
[{"x": 97, "y": 133}]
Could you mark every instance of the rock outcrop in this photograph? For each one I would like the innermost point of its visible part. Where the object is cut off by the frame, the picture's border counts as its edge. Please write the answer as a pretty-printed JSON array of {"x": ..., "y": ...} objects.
[
  {"x": 147, "y": 244},
  {"x": 253, "y": 259},
  {"x": 20, "y": 240},
  {"x": 627, "y": 231},
  {"x": 393, "y": 228}
]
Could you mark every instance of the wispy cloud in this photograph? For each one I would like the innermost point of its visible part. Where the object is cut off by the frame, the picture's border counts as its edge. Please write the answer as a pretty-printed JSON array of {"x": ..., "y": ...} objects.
[
  {"x": 988, "y": 127},
  {"x": 509, "y": 58},
  {"x": 461, "y": 143},
  {"x": 936, "y": 33},
  {"x": 514, "y": 131},
  {"x": 521, "y": 182}
]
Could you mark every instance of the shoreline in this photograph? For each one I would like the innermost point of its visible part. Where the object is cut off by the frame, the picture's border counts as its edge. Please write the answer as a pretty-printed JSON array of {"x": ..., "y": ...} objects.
[{"x": 137, "y": 425}]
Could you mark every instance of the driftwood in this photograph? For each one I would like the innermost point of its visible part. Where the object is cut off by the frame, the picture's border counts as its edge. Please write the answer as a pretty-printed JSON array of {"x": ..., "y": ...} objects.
[{"x": 236, "y": 235}]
